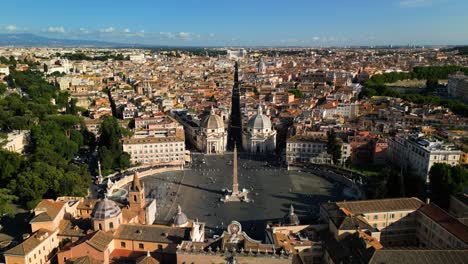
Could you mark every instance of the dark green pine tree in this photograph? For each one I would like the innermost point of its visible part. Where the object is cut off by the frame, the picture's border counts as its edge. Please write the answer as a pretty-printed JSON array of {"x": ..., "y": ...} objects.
[{"x": 333, "y": 146}]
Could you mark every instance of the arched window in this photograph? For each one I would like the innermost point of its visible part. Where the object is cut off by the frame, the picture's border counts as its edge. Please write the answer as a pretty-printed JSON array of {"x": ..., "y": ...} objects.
[
  {"x": 111, "y": 225},
  {"x": 134, "y": 198},
  {"x": 100, "y": 227}
]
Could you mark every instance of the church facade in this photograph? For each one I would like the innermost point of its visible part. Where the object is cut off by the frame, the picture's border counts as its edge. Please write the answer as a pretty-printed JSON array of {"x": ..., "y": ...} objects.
[
  {"x": 259, "y": 135},
  {"x": 212, "y": 135}
]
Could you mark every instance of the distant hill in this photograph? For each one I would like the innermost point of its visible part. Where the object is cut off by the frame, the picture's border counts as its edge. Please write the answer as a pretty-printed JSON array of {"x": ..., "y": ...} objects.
[{"x": 31, "y": 40}]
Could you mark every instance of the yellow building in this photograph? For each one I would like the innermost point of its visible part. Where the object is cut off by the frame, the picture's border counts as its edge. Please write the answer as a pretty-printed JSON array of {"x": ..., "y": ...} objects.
[{"x": 36, "y": 249}]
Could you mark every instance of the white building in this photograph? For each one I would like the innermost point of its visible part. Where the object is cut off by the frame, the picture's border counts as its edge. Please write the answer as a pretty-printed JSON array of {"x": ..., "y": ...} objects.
[
  {"x": 212, "y": 135},
  {"x": 301, "y": 149},
  {"x": 16, "y": 141},
  {"x": 419, "y": 154},
  {"x": 259, "y": 135},
  {"x": 236, "y": 54},
  {"x": 4, "y": 69},
  {"x": 311, "y": 149},
  {"x": 347, "y": 110},
  {"x": 261, "y": 66},
  {"x": 155, "y": 150},
  {"x": 64, "y": 66},
  {"x": 138, "y": 58}
]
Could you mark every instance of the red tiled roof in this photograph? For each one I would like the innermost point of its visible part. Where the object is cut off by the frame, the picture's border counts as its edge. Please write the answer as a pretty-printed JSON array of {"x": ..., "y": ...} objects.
[{"x": 448, "y": 222}]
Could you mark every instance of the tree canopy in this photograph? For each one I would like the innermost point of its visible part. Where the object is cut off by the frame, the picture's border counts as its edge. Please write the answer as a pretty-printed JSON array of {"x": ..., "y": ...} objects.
[
  {"x": 446, "y": 180},
  {"x": 111, "y": 154},
  {"x": 376, "y": 86},
  {"x": 47, "y": 170},
  {"x": 333, "y": 146}
]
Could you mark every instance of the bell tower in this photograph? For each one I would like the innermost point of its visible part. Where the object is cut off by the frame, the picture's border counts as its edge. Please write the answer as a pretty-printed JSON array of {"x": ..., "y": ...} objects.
[{"x": 136, "y": 194}]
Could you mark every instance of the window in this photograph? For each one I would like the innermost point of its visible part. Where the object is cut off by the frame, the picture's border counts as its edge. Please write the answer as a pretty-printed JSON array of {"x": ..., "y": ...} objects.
[
  {"x": 376, "y": 217},
  {"x": 141, "y": 246},
  {"x": 122, "y": 244},
  {"x": 111, "y": 225},
  {"x": 392, "y": 216},
  {"x": 100, "y": 227}
]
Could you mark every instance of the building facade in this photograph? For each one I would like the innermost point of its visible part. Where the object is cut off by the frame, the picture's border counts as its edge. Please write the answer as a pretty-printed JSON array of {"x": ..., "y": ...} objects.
[
  {"x": 458, "y": 86},
  {"x": 259, "y": 135},
  {"x": 155, "y": 151},
  {"x": 212, "y": 135},
  {"x": 418, "y": 154}
]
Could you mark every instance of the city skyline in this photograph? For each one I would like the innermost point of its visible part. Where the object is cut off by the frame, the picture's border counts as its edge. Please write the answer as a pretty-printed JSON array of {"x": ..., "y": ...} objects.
[{"x": 241, "y": 23}]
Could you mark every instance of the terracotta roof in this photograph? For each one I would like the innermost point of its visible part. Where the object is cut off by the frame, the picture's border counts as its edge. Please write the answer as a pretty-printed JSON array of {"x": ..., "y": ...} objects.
[
  {"x": 30, "y": 243},
  {"x": 87, "y": 204},
  {"x": 77, "y": 228},
  {"x": 382, "y": 205},
  {"x": 419, "y": 256},
  {"x": 448, "y": 222},
  {"x": 48, "y": 209},
  {"x": 84, "y": 260},
  {"x": 147, "y": 260},
  {"x": 153, "y": 233},
  {"x": 100, "y": 240}
]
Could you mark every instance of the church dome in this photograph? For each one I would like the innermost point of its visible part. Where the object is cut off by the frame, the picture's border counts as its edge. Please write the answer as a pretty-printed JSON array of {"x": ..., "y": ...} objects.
[
  {"x": 291, "y": 218},
  {"x": 212, "y": 121},
  {"x": 180, "y": 218},
  {"x": 106, "y": 209},
  {"x": 259, "y": 121}
]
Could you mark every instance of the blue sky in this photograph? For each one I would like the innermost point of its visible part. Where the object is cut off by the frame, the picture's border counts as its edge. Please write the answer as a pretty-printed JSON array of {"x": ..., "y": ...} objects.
[{"x": 242, "y": 22}]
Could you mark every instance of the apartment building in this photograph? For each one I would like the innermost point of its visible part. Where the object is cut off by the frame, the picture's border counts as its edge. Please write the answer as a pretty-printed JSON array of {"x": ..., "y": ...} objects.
[
  {"x": 158, "y": 126},
  {"x": 459, "y": 207},
  {"x": 393, "y": 219},
  {"x": 347, "y": 110},
  {"x": 438, "y": 229},
  {"x": 36, "y": 249},
  {"x": 419, "y": 153},
  {"x": 4, "y": 70},
  {"x": 155, "y": 150},
  {"x": 303, "y": 149},
  {"x": 300, "y": 149},
  {"x": 458, "y": 86}
]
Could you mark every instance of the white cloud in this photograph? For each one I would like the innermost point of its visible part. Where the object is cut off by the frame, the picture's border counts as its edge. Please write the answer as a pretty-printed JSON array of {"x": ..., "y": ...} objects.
[
  {"x": 11, "y": 28},
  {"x": 108, "y": 30},
  {"x": 84, "y": 30},
  {"x": 126, "y": 30},
  {"x": 56, "y": 29},
  {"x": 316, "y": 38},
  {"x": 414, "y": 3},
  {"x": 184, "y": 35}
]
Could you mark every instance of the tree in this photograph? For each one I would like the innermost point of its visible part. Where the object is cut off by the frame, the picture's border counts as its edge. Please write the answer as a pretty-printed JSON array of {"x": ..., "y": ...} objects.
[
  {"x": 3, "y": 88},
  {"x": 71, "y": 107},
  {"x": 333, "y": 146},
  {"x": 297, "y": 93},
  {"x": 446, "y": 180},
  {"x": 110, "y": 150},
  {"x": 46, "y": 68},
  {"x": 432, "y": 84},
  {"x": 6, "y": 201}
]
